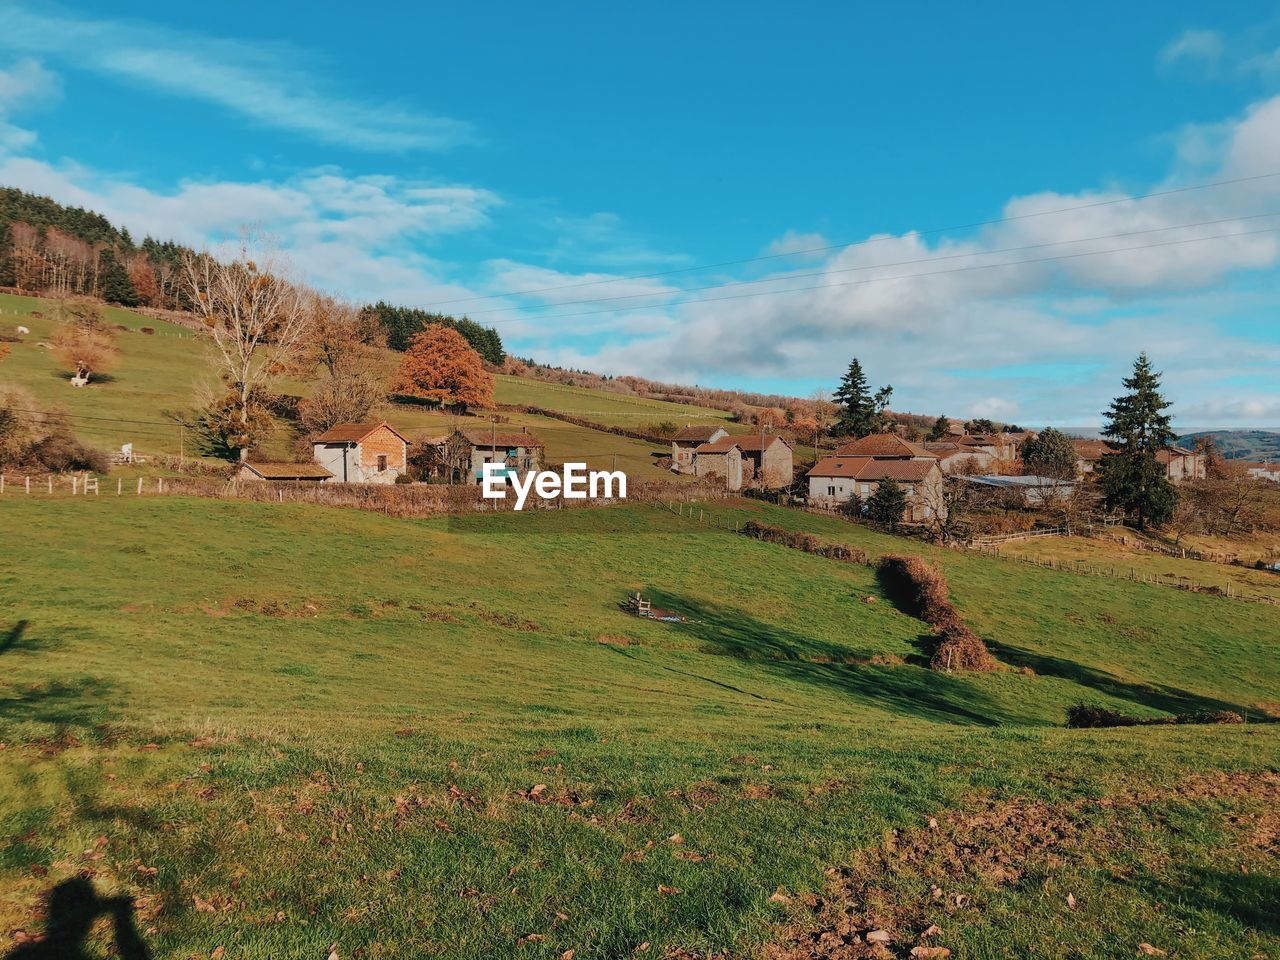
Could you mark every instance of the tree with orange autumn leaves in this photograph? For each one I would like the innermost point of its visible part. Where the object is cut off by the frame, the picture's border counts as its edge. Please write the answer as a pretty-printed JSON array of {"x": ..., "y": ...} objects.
[{"x": 440, "y": 365}]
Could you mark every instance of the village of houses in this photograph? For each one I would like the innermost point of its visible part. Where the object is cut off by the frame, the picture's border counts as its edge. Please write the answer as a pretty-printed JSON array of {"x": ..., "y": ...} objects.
[{"x": 378, "y": 453}]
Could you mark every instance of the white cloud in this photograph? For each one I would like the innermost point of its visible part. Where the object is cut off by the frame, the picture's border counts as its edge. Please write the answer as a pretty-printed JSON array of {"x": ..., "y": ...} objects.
[
  {"x": 24, "y": 85},
  {"x": 1201, "y": 47},
  {"x": 354, "y": 234},
  {"x": 269, "y": 84},
  {"x": 965, "y": 339}
]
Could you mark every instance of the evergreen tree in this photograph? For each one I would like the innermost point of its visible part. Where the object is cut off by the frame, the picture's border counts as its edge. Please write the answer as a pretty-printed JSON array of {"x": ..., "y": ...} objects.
[
  {"x": 940, "y": 428},
  {"x": 861, "y": 412},
  {"x": 1050, "y": 454},
  {"x": 1133, "y": 480},
  {"x": 116, "y": 285},
  {"x": 888, "y": 502}
]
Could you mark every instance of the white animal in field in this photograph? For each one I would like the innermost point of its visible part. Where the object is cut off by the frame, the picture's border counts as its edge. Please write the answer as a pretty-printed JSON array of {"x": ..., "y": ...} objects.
[
  {"x": 79, "y": 381},
  {"x": 23, "y": 330}
]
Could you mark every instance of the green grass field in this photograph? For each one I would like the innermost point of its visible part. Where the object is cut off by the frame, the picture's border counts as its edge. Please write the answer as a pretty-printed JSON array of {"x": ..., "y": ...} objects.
[
  {"x": 1114, "y": 555},
  {"x": 164, "y": 372},
  {"x": 614, "y": 410},
  {"x": 286, "y": 728}
]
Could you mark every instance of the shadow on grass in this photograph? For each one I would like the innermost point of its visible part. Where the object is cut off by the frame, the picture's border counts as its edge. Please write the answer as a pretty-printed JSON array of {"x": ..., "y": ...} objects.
[
  {"x": 925, "y": 694},
  {"x": 1152, "y": 695},
  {"x": 61, "y": 704},
  {"x": 1248, "y": 898},
  {"x": 96, "y": 379},
  {"x": 73, "y": 907},
  {"x": 12, "y": 637}
]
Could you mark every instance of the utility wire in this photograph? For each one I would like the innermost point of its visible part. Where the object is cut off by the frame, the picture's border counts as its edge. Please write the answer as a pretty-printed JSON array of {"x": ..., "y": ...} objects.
[
  {"x": 856, "y": 243},
  {"x": 880, "y": 266},
  {"x": 903, "y": 276}
]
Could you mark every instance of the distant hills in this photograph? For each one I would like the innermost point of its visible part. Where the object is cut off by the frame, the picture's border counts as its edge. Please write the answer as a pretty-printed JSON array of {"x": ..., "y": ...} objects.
[{"x": 1240, "y": 444}]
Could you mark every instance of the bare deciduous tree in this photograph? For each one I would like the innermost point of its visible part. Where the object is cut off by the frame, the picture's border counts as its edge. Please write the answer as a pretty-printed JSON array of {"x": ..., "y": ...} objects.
[{"x": 255, "y": 316}]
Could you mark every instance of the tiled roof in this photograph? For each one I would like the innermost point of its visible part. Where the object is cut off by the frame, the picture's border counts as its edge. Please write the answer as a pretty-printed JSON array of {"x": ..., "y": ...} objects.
[
  {"x": 944, "y": 449},
  {"x": 869, "y": 468},
  {"x": 1092, "y": 449},
  {"x": 480, "y": 437},
  {"x": 881, "y": 445},
  {"x": 288, "y": 471},
  {"x": 746, "y": 442},
  {"x": 699, "y": 433},
  {"x": 354, "y": 432}
]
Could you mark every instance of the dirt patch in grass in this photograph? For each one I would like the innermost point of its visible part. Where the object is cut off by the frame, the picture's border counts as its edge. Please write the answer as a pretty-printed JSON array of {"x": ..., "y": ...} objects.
[
  {"x": 898, "y": 899},
  {"x": 508, "y": 620}
]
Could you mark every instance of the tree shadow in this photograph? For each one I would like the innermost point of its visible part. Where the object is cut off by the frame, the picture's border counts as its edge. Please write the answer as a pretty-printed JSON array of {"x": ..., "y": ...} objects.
[
  {"x": 72, "y": 907},
  {"x": 83, "y": 702},
  {"x": 1248, "y": 898},
  {"x": 13, "y": 636},
  {"x": 94, "y": 380},
  {"x": 926, "y": 694},
  {"x": 1153, "y": 695}
]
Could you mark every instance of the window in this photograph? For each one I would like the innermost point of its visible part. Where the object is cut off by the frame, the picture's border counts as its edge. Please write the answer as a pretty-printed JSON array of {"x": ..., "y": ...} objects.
[
  {"x": 831, "y": 491},
  {"x": 382, "y": 462}
]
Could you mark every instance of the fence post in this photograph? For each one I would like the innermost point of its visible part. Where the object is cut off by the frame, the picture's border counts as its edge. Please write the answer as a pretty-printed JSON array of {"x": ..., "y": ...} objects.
[
  {"x": 50, "y": 478},
  {"x": 75, "y": 482},
  {"x": 119, "y": 485},
  {"x": 28, "y": 485},
  {"x": 1, "y": 483},
  {"x": 139, "y": 486}
]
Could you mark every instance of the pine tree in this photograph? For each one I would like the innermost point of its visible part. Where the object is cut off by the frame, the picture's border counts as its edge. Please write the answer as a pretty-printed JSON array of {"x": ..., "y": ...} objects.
[
  {"x": 116, "y": 285},
  {"x": 1133, "y": 480},
  {"x": 887, "y": 503},
  {"x": 861, "y": 413},
  {"x": 940, "y": 428}
]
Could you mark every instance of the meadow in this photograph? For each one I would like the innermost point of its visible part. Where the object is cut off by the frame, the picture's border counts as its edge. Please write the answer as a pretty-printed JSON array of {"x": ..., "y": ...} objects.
[
  {"x": 160, "y": 374},
  {"x": 288, "y": 729}
]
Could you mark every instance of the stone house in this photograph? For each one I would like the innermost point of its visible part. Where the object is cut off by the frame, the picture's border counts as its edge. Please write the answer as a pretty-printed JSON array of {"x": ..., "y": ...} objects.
[
  {"x": 767, "y": 462},
  {"x": 687, "y": 440},
  {"x": 362, "y": 452},
  {"x": 835, "y": 480},
  {"x": 959, "y": 458},
  {"x": 465, "y": 452},
  {"x": 1262, "y": 471},
  {"x": 1181, "y": 464},
  {"x": 884, "y": 446}
]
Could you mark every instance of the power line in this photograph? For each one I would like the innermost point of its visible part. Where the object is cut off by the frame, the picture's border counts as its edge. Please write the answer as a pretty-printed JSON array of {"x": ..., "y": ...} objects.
[
  {"x": 881, "y": 266},
  {"x": 856, "y": 243},
  {"x": 904, "y": 276}
]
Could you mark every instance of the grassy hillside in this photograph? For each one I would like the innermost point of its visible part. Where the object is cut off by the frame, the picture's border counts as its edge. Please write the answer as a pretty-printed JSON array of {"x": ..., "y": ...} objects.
[
  {"x": 284, "y": 728},
  {"x": 163, "y": 372},
  {"x": 1240, "y": 444},
  {"x": 615, "y": 410}
]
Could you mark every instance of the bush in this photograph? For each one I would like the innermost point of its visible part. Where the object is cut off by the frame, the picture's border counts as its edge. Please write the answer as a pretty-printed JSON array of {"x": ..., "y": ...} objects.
[
  {"x": 149, "y": 331},
  {"x": 802, "y": 541},
  {"x": 1083, "y": 717},
  {"x": 32, "y": 440},
  {"x": 922, "y": 589}
]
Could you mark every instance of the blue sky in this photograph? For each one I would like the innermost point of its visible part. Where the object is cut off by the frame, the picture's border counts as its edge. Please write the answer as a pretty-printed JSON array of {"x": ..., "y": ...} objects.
[{"x": 461, "y": 156}]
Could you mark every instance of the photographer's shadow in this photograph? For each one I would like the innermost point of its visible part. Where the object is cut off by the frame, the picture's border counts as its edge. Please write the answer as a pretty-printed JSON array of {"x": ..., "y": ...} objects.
[{"x": 73, "y": 906}]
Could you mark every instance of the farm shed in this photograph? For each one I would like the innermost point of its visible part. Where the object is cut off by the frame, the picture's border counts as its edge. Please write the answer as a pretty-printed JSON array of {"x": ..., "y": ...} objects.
[{"x": 362, "y": 452}]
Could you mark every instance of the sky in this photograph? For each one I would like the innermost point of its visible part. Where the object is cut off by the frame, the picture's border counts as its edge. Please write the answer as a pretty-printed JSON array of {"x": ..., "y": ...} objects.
[{"x": 994, "y": 207}]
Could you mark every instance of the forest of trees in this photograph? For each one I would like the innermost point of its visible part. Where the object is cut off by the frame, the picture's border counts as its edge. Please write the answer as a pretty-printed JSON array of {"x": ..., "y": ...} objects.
[
  {"x": 402, "y": 324},
  {"x": 49, "y": 248}
]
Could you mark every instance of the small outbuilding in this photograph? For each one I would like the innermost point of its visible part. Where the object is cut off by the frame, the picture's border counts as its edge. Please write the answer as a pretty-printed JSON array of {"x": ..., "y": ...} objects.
[
  {"x": 362, "y": 452},
  {"x": 283, "y": 472}
]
